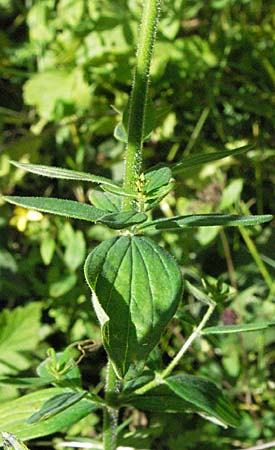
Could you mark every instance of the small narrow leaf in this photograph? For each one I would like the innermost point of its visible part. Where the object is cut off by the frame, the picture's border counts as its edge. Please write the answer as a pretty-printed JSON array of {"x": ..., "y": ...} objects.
[
  {"x": 67, "y": 208},
  {"x": 120, "y": 133},
  {"x": 199, "y": 160},
  {"x": 136, "y": 287},
  {"x": 64, "y": 174},
  {"x": 55, "y": 405},
  {"x": 156, "y": 179},
  {"x": 117, "y": 191},
  {"x": 27, "y": 382},
  {"x": 105, "y": 200},
  {"x": 239, "y": 328},
  {"x": 206, "y": 220},
  {"x": 205, "y": 396},
  {"x": 198, "y": 294},
  {"x": 47, "y": 248},
  {"x": 123, "y": 219}
]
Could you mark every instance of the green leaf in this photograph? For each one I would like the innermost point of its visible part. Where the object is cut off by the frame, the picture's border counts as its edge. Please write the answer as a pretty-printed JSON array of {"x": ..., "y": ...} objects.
[
  {"x": 14, "y": 414},
  {"x": 199, "y": 160},
  {"x": 136, "y": 288},
  {"x": 121, "y": 133},
  {"x": 76, "y": 210},
  {"x": 224, "y": 329},
  {"x": 47, "y": 248},
  {"x": 67, "y": 208},
  {"x": 156, "y": 179},
  {"x": 18, "y": 335},
  {"x": 27, "y": 382},
  {"x": 117, "y": 191},
  {"x": 123, "y": 219},
  {"x": 205, "y": 396},
  {"x": 56, "y": 404},
  {"x": 64, "y": 174},
  {"x": 59, "y": 87},
  {"x": 198, "y": 294},
  {"x": 63, "y": 285},
  {"x": 158, "y": 400},
  {"x": 10, "y": 442},
  {"x": 156, "y": 196},
  {"x": 52, "y": 369},
  {"x": 206, "y": 220},
  {"x": 105, "y": 200},
  {"x": 75, "y": 250}
]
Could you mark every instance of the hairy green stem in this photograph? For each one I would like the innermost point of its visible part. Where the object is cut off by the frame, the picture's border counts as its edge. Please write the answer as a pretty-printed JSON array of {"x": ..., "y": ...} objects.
[
  {"x": 160, "y": 377},
  {"x": 133, "y": 160},
  {"x": 110, "y": 415},
  {"x": 139, "y": 96}
]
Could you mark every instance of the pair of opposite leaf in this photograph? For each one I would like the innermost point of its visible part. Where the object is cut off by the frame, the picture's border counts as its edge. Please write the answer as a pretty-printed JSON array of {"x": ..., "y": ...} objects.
[{"x": 136, "y": 285}]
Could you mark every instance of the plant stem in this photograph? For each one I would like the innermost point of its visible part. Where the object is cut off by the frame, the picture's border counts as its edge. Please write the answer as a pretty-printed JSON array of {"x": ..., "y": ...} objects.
[
  {"x": 139, "y": 96},
  {"x": 160, "y": 377},
  {"x": 110, "y": 415},
  {"x": 133, "y": 160}
]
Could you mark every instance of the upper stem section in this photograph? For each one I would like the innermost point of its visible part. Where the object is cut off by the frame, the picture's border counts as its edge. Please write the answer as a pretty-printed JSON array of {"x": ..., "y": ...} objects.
[{"x": 139, "y": 95}]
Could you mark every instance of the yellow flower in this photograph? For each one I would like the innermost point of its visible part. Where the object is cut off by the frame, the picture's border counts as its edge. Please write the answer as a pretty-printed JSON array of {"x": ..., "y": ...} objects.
[{"x": 22, "y": 216}]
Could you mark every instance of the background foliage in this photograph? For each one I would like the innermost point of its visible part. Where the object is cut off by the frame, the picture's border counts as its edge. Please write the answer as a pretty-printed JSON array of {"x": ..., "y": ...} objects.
[{"x": 65, "y": 79}]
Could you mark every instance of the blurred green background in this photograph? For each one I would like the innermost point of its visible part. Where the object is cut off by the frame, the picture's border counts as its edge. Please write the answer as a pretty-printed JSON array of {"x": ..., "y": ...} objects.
[{"x": 66, "y": 68}]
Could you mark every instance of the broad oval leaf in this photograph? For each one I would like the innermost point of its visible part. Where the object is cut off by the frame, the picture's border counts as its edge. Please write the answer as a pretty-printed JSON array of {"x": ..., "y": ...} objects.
[
  {"x": 136, "y": 287},
  {"x": 206, "y": 220},
  {"x": 205, "y": 396},
  {"x": 14, "y": 414}
]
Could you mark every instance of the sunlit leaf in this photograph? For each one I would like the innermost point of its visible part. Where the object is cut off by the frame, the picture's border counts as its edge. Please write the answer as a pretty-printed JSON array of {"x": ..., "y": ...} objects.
[
  {"x": 64, "y": 174},
  {"x": 156, "y": 179},
  {"x": 105, "y": 200},
  {"x": 18, "y": 336},
  {"x": 205, "y": 396},
  {"x": 239, "y": 328},
  {"x": 136, "y": 288},
  {"x": 199, "y": 160},
  {"x": 55, "y": 405},
  {"x": 14, "y": 414},
  {"x": 206, "y": 220},
  {"x": 67, "y": 208}
]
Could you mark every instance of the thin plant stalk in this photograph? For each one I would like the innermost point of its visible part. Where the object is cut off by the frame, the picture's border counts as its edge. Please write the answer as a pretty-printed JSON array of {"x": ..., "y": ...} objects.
[
  {"x": 166, "y": 372},
  {"x": 257, "y": 258},
  {"x": 139, "y": 97}
]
